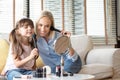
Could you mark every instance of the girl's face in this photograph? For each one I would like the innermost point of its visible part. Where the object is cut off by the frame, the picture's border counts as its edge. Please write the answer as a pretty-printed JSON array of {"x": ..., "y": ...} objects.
[
  {"x": 26, "y": 30},
  {"x": 43, "y": 27}
]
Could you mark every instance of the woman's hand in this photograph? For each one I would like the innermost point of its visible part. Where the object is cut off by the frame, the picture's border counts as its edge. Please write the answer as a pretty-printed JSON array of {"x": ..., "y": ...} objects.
[
  {"x": 34, "y": 53},
  {"x": 71, "y": 51},
  {"x": 66, "y": 33}
]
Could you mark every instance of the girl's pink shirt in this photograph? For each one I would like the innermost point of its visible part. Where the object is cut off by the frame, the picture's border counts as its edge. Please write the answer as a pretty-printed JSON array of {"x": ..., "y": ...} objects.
[{"x": 10, "y": 63}]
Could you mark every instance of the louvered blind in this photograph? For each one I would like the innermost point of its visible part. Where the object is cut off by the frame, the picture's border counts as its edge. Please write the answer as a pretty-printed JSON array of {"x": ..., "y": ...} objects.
[
  {"x": 34, "y": 10},
  {"x": 96, "y": 21},
  {"x": 20, "y": 9},
  {"x": 56, "y": 8},
  {"x": 111, "y": 21},
  {"x": 79, "y": 17},
  {"x": 69, "y": 16},
  {"x": 6, "y": 16},
  {"x": 74, "y": 16}
]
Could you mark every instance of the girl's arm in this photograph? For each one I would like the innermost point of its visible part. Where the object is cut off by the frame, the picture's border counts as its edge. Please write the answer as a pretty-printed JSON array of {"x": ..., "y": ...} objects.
[
  {"x": 19, "y": 62},
  {"x": 3, "y": 73}
]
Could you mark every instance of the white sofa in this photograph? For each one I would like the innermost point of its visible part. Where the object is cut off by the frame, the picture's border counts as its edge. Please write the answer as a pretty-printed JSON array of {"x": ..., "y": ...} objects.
[{"x": 102, "y": 63}]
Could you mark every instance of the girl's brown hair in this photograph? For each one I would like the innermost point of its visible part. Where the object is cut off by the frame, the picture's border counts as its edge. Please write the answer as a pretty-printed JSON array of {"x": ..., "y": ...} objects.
[{"x": 15, "y": 38}]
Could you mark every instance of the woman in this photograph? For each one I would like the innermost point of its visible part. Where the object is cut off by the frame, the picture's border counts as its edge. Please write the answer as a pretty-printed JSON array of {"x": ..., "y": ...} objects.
[{"x": 45, "y": 43}]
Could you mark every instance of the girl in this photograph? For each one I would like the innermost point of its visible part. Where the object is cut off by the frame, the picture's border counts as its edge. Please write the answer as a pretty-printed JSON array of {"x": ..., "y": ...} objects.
[
  {"x": 45, "y": 42},
  {"x": 22, "y": 54}
]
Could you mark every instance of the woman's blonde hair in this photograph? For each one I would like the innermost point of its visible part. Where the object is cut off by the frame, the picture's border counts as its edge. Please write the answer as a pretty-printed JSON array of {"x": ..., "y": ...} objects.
[{"x": 49, "y": 15}]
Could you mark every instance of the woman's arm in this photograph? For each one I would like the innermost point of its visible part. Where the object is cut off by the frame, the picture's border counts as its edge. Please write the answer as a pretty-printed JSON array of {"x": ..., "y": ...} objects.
[
  {"x": 71, "y": 51},
  {"x": 72, "y": 61}
]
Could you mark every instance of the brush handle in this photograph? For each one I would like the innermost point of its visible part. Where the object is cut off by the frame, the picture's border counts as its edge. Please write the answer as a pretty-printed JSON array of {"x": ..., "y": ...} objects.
[
  {"x": 34, "y": 40},
  {"x": 54, "y": 29}
]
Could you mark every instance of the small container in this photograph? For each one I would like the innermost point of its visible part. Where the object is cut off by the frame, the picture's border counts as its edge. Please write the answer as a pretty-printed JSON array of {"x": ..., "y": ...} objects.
[
  {"x": 58, "y": 70},
  {"x": 44, "y": 72},
  {"x": 38, "y": 73}
]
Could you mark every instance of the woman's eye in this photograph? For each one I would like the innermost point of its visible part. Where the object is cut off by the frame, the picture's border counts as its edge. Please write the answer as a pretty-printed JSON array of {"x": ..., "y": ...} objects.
[
  {"x": 30, "y": 26},
  {"x": 39, "y": 24},
  {"x": 47, "y": 26}
]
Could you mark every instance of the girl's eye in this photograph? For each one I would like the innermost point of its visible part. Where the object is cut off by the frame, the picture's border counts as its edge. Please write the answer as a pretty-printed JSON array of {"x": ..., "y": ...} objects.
[
  {"x": 30, "y": 26},
  {"x": 25, "y": 26}
]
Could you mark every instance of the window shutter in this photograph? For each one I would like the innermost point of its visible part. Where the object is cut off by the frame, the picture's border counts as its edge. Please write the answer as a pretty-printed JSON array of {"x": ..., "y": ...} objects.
[
  {"x": 74, "y": 16},
  {"x": 69, "y": 16},
  {"x": 35, "y": 8},
  {"x": 26, "y": 8},
  {"x": 96, "y": 20},
  {"x": 79, "y": 17},
  {"x": 6, "y": 16},
  {"x": 56, "y": 8},
  {"x": 20, "y": 10},
  {"x": 111, "y": 21}
]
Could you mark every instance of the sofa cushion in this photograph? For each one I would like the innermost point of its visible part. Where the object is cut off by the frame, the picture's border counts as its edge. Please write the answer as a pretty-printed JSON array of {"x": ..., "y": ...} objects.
[
  {"x": 100, "y": 71},
  {"x": 82, "y": 44},
  {"x": 39, "y": 62},
  {"x": 103, "y": 56},
  {"x": 4, "y": 47},
  {"x": 116, "y": 64}
]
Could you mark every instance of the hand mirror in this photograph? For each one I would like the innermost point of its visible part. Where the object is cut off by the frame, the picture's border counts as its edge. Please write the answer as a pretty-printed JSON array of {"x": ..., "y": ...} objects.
[{"x": 61, "y": 44}]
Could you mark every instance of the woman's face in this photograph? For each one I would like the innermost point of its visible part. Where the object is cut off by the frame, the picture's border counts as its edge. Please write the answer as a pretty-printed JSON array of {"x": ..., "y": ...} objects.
[{"x": 43, "y": 27}]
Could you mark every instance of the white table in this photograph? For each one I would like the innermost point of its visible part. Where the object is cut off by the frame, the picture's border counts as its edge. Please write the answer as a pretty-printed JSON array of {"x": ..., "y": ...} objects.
[{"x": 53, "y": 77}]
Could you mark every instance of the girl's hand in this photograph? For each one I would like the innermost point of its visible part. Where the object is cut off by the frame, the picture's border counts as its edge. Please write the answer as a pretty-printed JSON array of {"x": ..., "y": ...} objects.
[
  {"x": 34, "y": 53},
  {"x": 3, "y": 73},
  {"x": 66, "y": 33}
]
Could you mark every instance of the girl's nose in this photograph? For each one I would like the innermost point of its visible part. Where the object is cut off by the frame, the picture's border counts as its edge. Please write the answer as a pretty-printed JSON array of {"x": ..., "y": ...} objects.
[{"x": 29, "y": 27}]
